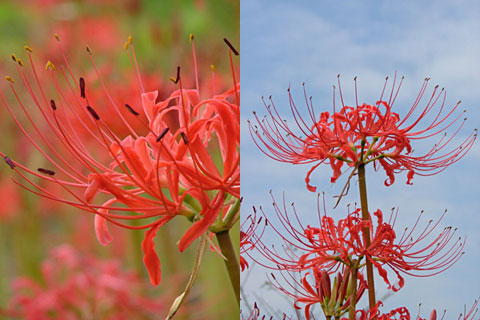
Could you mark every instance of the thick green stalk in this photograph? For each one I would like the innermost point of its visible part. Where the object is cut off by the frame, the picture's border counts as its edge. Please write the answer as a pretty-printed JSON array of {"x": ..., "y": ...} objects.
[
  {"x": 353, "y": 294},
  {"x": 366, "y": 233},
  {"x": 231, "y": 262}
]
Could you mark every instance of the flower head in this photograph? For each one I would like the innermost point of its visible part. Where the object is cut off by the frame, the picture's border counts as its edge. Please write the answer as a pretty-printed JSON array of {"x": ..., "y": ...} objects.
[
  {"x": 183, "y": 161},
  {"x": 255, "y": 314},
  {"x": 332, "y": 296},
  {"x": 364, "y": 133},
  {"x": 249, "y": 235},
  {"x": 400, "y": 313},
  {"x": 335, "y": 244}
]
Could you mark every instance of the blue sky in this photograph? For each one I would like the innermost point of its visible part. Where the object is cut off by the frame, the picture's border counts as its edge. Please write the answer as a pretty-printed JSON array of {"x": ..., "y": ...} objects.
[{"x": 288, "y": 42}]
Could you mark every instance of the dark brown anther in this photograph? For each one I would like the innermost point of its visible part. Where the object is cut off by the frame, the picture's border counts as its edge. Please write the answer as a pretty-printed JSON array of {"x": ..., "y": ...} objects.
[
  {"x": 175, "y": 80},
  {"x": 178, "y": 74},
  {"x": 184, "y": 137},
  {"x": 93, "y": 113},
  {"x": 135, "y": 113},
  {"x": 52, "y": 104},
  {"x": 82, "y": 87},
  {"x": 46, "y": 171},
  {"x": 9, "y": 162},
  {"x": 164, "y": 132},
  {"x": 230, "y": 46}
]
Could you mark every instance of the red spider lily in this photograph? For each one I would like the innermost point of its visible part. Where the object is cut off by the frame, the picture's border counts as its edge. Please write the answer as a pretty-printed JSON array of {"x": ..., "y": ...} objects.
[
  {"x": 334, "y": 244},
  {"x": 249, "y": 236},
  {"x": 405, "y": 254},
  {"x": 74, "y": 286},
  {"x": 256, "y": 315},
  {"x": 334, "y": 298},
  {"x": 466, "y": 315},
  {"x": 363, "y": 134},
  {"x": 163, "y": 172},
  {"x": 401, "y": 313}
]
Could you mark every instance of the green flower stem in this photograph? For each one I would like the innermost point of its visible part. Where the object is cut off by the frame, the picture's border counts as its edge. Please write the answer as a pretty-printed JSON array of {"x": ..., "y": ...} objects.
[
  {"x": 232, "y": 215},
  {"x": 353, "y": 295},
  {"x": 231, "y": 262},
  {"x": 366, "y": 233}
]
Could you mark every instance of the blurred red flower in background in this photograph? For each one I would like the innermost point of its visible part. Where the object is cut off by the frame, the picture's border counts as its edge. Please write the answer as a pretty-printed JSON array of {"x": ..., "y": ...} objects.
[{"x": 74, "y": 286}]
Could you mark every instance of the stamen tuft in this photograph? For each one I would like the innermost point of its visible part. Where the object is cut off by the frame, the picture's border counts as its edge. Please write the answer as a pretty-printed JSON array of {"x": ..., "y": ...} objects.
[
  {"x": 191, "y": 37},
  {"x": 9, "y": 162},
  {"x": 230, "y": 46},
  {"x": 49, "y": 66},
  {"x": 135, "y": 113},
  {"x": 28, "y": 49},
  {"x": 14, "y": 58},
  {"x": 164, "y": 132},
  {"x": 82, "y": 88},
  {"x": 53, "y": 105},
  {"x": 130, "y": 40},
  {"x": 20, "y": 63},
  {"x": 212, "y": 67},
  {"x": 184, "y": 137},
  {"x": 56, "y": 36},
  {"x": 93, "y": 113},
  {"x": 175, "y": 80},
  {"x": 10, "y": 79},
  {"x": 89, "y": 51},
  {"x": 46, "y": 171}
]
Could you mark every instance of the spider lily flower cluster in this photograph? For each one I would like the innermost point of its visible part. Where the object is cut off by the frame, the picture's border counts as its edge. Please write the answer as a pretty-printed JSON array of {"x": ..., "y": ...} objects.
[
  {"x": 333, "y": 297},
  {"x": 256, "y": 314},
  {"x": 336, "y": 243},
  {"x": 363, "y": 242},
  {"x": 365, "y": 134},
  {"x": 183, "y": 161},
  {"x": 338, "y": 246},
  {"x": 402, "y": 313},
  {"x": 249, "y": 235}
]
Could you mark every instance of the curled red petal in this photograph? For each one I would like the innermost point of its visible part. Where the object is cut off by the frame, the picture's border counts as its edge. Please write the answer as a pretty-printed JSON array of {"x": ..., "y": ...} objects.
[
  {"x": 410, "y": 176},
  {"x": 150, "y": 257},
  {"x": 307, "y": 178},
  {"x": 101, "y": 230},
  {"x": 201, "y": 226},
  {"x": 243, "y": 263}
]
